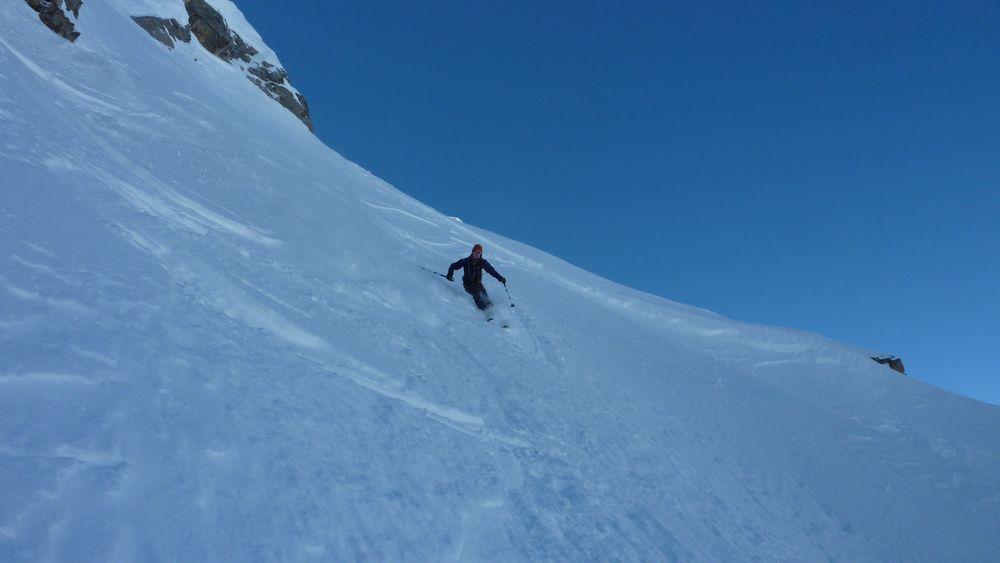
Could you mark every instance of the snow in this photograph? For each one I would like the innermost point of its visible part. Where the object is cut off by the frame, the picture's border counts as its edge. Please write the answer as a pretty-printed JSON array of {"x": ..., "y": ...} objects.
[
  {"x": 216, "y": 343},
  {"x": 167, "y": 9}
]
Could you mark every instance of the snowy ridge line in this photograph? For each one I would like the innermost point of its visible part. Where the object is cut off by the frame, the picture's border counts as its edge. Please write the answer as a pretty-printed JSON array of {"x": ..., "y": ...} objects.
[
  {"x": 650, "y": 310},
  {"x": 656, "y": 313},
  {"x": 712, "y": 330}
]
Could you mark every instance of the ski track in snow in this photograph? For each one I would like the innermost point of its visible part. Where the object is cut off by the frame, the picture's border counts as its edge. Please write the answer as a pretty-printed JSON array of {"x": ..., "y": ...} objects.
[
  {"x": 400, "y": 212},
  {"x": 65, "y": 305},
  {"x": 42, "y": 268},
  {"x": 56, "y": 379},
  {"x": 233, "y": 303},
  {"x": 85, "y": 100}
]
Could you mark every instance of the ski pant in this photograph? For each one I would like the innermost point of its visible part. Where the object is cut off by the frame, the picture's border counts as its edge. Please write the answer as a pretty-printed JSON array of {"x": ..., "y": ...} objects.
[{"x": 478, "y": 293}]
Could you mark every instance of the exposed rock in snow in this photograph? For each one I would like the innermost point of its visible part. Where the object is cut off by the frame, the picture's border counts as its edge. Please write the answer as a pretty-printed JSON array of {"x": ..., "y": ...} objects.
[
  {"x": 52, "y": 15},
  {"x": 208, "y": 25},
  {"x": 216, "y": 35},
  {"x": 212, "y": 31},
  {"x": 164, "y": 30},
  {"x": 891, "y": 361},
  {"x": 271, "y": 80}
]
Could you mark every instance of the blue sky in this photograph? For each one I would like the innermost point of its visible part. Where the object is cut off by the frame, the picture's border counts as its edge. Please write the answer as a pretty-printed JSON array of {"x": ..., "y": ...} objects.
[{"x": 830, "y": 168}]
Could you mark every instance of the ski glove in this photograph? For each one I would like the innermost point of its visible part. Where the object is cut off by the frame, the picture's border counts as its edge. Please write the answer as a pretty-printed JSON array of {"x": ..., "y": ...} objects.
[
  {"x": 449, "y": 278},
  {"x": 503, "y": 280}
]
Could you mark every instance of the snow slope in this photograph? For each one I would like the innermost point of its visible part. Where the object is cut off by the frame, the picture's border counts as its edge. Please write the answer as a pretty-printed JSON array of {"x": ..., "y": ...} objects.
[{"x": 216, "y": 345}]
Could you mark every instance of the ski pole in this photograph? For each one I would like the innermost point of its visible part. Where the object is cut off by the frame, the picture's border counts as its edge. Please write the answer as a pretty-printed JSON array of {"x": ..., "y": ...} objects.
[
  {"x": 508, "y": 296},
  {"x": 433, "y": 272}
]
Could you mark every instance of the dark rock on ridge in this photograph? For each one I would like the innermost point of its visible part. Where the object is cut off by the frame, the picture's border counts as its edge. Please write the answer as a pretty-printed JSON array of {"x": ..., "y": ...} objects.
[
  {"x": 270, "y": 79},
  {"x": 74, "y": 6},
  {"x": 164, "y": 30},
  {"x": 269, "y": 72},
  {"x": 208, "y": 25},
  {"x": 53, "y": 16},
  {"x": 891, "y": 361},
  {"x": 212, "y": 31}
]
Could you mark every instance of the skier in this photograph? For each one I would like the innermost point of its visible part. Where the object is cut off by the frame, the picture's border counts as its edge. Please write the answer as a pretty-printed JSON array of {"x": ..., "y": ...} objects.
[{"x": 472, "y": 278}]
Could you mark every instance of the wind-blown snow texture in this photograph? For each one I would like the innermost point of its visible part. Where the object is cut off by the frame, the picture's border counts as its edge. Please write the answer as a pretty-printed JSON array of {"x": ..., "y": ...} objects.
[{"x": 216, "y": 345}]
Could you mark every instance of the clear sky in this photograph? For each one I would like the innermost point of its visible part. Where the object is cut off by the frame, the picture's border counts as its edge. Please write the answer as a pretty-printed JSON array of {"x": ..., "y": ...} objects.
[{"x": 832, "y": 168}]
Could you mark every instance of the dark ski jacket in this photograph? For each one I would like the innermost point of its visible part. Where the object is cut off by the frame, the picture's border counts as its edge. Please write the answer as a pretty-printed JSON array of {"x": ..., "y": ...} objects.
[{"x": 474, "y": 267}]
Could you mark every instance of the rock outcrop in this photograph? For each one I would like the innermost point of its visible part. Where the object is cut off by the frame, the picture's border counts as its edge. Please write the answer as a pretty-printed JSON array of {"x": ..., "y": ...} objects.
[
  {"x": 52, "y": 15},
  {"x": 208, "y": 25},
  {"x": 891, "y": 361},
  {"x": 210, "y": 28},
  {"x": 271, "y": 79},
  {"x": 164, "y": 30}
]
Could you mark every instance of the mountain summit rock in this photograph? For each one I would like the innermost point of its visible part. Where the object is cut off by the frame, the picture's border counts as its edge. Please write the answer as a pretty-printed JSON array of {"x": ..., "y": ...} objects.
[{"x": 209, "y": 26}]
